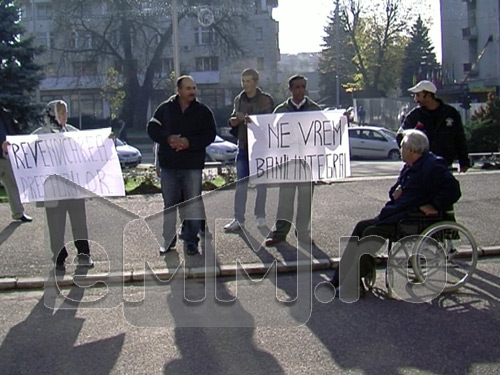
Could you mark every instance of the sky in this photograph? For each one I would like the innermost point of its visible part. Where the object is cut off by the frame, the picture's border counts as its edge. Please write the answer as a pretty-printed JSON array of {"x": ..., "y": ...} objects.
[{"x": 301, "y": 24}]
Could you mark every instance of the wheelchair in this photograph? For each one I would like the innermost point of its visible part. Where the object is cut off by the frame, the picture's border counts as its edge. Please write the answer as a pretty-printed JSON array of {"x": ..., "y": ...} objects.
[{"x": 435, "y": 253}]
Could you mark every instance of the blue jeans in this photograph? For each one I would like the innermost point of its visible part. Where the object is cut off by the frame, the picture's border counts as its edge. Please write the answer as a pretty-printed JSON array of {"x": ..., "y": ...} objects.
[
  {"x": 178, "y": 186},
  {"x": 240, "y": 196}
]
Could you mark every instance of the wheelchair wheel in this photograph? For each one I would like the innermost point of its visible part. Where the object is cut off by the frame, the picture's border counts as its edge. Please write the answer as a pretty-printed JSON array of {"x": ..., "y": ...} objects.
[{"x": 445, "y": 256}]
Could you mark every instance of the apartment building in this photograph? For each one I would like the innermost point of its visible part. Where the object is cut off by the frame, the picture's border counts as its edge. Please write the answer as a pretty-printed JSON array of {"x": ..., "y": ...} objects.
[
  {"x": 471, "y": 28},
  {"x": 78, "y": 77}
]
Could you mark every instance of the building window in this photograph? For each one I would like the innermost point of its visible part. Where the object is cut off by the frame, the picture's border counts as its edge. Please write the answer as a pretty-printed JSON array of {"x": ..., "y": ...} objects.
[
  {"x": 259, "y": 33},
  {"x": 213, "y": 97},
  {"x": 44, "y": 11},
  {"x": 203, "y": 35},
  {"x": 167, "y": 65},
  {"x": 84, "y": 68},
  {"x": 82, "y": 40},
  {"x": 50, "y": 70},
  {"x": 44, "y": 39},
  {"x": 86, "y": 104},
  {"x": 260, "y": 63},
  {"x": 258, "y": 6},
  {"x": 206, "y": 64}
]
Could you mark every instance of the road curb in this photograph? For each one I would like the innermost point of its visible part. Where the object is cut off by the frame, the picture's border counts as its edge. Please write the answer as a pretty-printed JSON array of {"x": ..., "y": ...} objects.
[{"x": 230, "y": 270}]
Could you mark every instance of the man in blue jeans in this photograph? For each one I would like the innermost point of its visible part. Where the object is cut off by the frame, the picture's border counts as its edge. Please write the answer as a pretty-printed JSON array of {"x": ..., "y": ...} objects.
[
  {"x": 250, "y": 101},
  {"x": 183, "y": 127}
]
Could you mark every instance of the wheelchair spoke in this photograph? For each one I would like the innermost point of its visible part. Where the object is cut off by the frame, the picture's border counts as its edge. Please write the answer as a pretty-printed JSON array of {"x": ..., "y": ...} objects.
[{"x": 457, "y": 259}]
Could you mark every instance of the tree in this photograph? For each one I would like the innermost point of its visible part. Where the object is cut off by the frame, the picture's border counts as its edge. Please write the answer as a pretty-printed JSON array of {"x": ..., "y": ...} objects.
[
  {"x": 134, "y": 34},
  {"x": 336, "y": 58},
  {"x": 19, "y": 74},
  {"x": 419, "y": 59},
  {"x": 484, "y": 127},
  {"x": 113, "y": 93},
  {"x": 375, "y": 43}
]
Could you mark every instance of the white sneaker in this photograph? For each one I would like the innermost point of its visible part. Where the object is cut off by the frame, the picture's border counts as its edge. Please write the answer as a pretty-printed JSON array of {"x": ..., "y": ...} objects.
[
  {"x": 261, "y": 222},
  {"x": 233, "y": 226}
]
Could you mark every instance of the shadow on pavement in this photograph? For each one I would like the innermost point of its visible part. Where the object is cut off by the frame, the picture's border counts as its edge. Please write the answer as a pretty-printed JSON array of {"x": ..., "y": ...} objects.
[{"x": 45, "y": 342}]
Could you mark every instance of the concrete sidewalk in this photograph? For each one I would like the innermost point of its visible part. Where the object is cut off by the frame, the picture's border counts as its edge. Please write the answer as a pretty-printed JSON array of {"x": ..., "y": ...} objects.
[{"x": 125, "y": 233}]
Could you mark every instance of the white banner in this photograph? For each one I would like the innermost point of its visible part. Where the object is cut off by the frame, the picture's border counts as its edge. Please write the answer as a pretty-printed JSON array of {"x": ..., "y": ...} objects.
[
  {"x": 313, "y": 145},
  {"x": 86, "y": 158}
]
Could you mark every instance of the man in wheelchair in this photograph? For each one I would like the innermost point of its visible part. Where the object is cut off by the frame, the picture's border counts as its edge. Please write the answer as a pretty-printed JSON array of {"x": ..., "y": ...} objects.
[{"x": 425, "y": 185}]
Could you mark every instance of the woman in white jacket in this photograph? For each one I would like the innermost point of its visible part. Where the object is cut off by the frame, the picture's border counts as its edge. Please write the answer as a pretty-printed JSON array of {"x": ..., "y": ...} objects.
[{"x": 55, "y": 117}]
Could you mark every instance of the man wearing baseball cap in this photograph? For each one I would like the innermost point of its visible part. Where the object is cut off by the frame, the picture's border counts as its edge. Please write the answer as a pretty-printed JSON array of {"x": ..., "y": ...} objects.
[{"x": 440, "y": 122}]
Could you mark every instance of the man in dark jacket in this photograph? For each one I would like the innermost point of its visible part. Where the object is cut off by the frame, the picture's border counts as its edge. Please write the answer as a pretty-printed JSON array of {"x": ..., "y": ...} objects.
[
  {"x": 183, "y": 127},
  {"x": 425, "y": 184},
  {"x": 440, "y": 122},
  {"x": 8, "y": 127}
]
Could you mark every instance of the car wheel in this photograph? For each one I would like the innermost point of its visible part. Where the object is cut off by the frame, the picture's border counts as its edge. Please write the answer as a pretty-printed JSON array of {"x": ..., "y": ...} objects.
[{"x": 394, "y": 155}]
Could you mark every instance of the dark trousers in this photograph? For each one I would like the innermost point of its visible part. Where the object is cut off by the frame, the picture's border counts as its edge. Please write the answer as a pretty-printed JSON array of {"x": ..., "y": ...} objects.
[
  {"x": 56, "y": 220},
  {"x": 363, "y": 229}
]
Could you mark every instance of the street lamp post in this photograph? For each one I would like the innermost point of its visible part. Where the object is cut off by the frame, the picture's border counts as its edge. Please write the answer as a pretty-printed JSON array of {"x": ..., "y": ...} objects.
[
  {"x": 175, "y": 37},
  {"x": 337, "y": 55}
]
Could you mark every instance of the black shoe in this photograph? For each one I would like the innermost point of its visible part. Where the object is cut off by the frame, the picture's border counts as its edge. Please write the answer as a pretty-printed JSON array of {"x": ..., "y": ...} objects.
[
  {"x": 85, "y": 260},
  {"x": 192, "y": 249},
  {"x": 335, "y": 281},
  {"x": 271, "y": 241},
  {"x": 25, "y": 218}
]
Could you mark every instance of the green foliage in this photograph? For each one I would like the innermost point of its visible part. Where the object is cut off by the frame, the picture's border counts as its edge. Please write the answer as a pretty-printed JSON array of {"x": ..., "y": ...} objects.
[
  {"x": 112, "y": 92},
  {"x": 332, "y": 63},
  {"x": 419, "y": 57},
  {"x": 484, "y": 127},
  {"x": 371, "y": 44},
  {"x": 19, "y": 74}
]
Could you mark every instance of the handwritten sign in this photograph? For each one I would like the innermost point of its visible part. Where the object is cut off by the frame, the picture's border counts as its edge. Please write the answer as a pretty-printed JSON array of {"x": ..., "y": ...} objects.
[
  {"x": 298, "y": 147},
  {"x": 87, "y": 158}
]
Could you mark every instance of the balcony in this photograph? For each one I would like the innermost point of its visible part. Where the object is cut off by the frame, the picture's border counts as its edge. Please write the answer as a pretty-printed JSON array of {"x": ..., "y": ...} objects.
[{"x": 471, "y": 70}]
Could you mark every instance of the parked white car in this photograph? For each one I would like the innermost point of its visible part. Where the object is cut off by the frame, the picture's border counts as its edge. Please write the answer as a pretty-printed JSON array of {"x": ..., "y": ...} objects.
[
  {"x": 373, "y": 142},
  {"x": 128, "y": 155},
  {"x": 221, "y": 150}
]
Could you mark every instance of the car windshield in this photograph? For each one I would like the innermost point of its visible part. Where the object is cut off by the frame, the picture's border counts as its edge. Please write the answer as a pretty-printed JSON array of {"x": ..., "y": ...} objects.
[
  {"x": 388, "y": 133},
  {"x": 218, "y": 139},
  {"x": 118, "y": 142}
]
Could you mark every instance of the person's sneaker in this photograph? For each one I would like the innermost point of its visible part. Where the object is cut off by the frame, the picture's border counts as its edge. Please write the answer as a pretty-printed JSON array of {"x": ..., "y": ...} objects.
[
  {"x": 85, "y": 260},
  {"x": 233, "y": 226},
  {"x": 261, "y": 222},
  {"x": 164, "y": 249},
  {"x": 25, "y": 218},
  {"x": 192, "y": 249},
  {"x": 271, "y": 241}
]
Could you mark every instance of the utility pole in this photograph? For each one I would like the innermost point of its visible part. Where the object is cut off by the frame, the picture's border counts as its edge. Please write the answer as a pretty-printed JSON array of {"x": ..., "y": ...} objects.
[
  {"x": 175, "y": 37},
  {"x": 337, "y": 54}
]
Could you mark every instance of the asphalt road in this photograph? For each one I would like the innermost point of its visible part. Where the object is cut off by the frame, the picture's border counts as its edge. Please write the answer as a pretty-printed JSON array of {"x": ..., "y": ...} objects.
[
  {"x": 282, "y": 325},
  {"x": 155, "y": 331}
]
